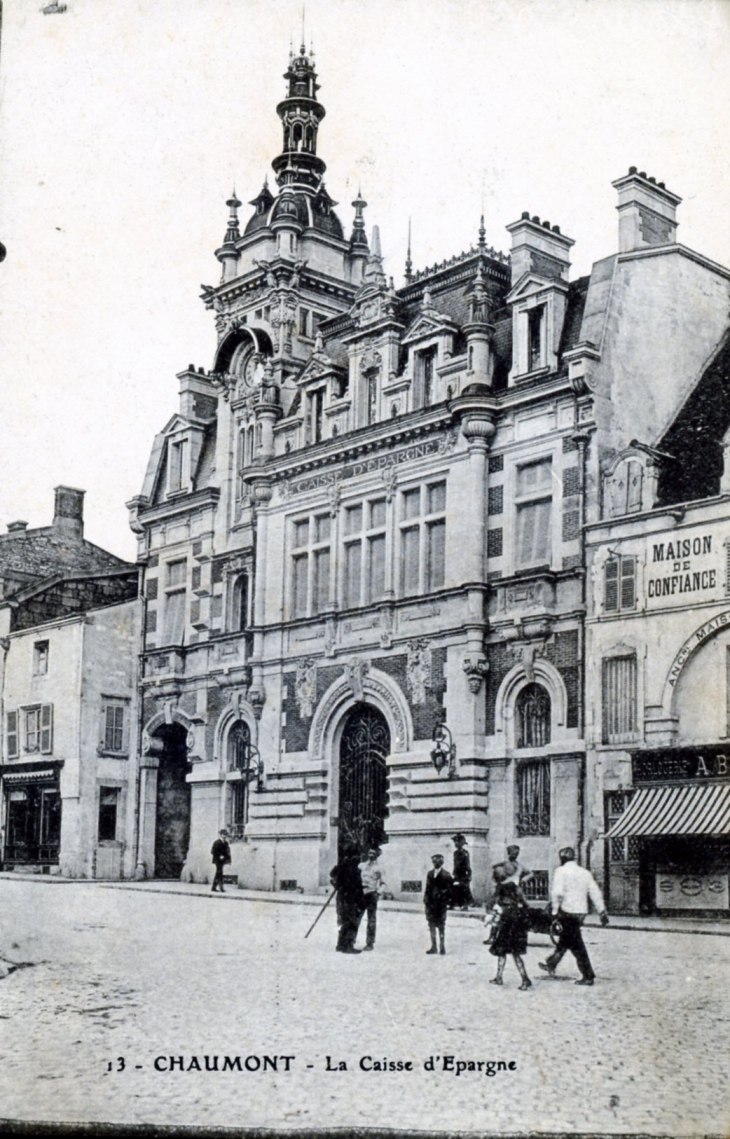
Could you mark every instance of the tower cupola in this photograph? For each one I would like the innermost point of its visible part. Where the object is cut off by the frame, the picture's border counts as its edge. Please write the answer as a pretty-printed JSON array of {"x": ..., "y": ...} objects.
[{"x": 301, "y": 113}]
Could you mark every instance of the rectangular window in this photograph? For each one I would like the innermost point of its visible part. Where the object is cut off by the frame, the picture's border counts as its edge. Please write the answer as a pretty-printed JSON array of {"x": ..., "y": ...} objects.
[
  {"x": 315, "y": 418},
  {"x": 619, "y": 699},
  {"x": 619, "y": 584},
  {"x": 177, "y": 465},
  {"x": 38, "y": 729},
  {"x": 114, "y": 725},
  {"x": 40, "y": 658},
  {"x": 534, "y": 333},
  {"x": 534, "y": 514},
  {"x": 108, "y": 810},
  {"x": 426, "y": 370},
  {"x": 364, "y": 553},
  {"x": 533, "y": 798},
  {"x": 12, "y": 735},
  {"x": 237, "y": 807},
  {"x": 304, "y": 322},
  {"x": 372, "y": 397},
  {"x": 175, "y": 602},
  {"x": 310, "y": 565},
  {"x": 423, "y": 539}
]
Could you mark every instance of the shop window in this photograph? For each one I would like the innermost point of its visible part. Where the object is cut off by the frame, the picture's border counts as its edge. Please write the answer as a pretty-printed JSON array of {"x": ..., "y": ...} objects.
[
  {"x": 108, "y": 811},
  {"x": 38, "y": 728},
  {"x": 619, "y": 699},
  {"x": 175, "y": 601},
  {"x": 619, "y": 584},
  {"x": 310, "y": 588},
  {"x": 532, "y": 713},
  {"x": 40, "y": 658},
  {"x": 114, "y": 726},
  {"x": 534, "y": 514},
  {"x": 533, "y": 798},
  {"x": 364, "y": 553},
  {"x": 423, "y": 539}
]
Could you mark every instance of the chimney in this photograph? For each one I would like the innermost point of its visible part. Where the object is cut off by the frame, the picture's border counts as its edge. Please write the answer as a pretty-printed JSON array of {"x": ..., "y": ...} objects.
[
  {"x": 647, "y": 212},
  {"x": 17, "y": 527},
  {"x": 68, "y": 516},
  {"x": 538, "y": 247}
]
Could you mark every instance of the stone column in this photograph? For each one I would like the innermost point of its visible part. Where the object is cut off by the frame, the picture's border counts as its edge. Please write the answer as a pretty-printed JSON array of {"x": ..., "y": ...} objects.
[
  {"x": 478, "y": 431},
  {"x": 147, "y": 807}
]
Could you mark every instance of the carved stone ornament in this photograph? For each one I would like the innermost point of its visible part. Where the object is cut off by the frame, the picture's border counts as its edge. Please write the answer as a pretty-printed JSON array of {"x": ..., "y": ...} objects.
[
  {"x": 386, "y": 624},
  {"x": 476, "y": 669},
  {"x": 257, "y": 699},
  {"x": 448, "y": 442},
  {"x": 330, "y": 637},
  {"x": 389, "y": 476},
  {"x": 356, "y": 670},
  {"x": 334, "y": 492},
  {"x": 305, "y": 688},
  {"x": 418, "y": 669}
]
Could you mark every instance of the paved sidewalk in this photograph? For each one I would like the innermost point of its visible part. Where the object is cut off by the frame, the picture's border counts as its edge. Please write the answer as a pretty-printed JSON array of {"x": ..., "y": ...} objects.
[{"x": 713, "y": 927}]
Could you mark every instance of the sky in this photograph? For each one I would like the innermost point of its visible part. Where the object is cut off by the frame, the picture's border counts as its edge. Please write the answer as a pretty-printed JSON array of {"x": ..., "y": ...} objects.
[{"x": 124, "y": 125}]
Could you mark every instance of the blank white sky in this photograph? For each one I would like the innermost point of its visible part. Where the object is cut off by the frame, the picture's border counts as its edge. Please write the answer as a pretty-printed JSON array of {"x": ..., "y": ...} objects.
[{"x": 124, "y": 124}]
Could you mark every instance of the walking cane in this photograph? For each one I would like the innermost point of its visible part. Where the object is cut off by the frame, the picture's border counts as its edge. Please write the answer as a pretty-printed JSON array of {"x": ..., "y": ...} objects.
[{"x": 319, "y": 915}]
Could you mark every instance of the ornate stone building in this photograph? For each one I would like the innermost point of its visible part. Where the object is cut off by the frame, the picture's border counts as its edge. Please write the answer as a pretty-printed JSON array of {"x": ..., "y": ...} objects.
[{"x": 361, "y": 535}]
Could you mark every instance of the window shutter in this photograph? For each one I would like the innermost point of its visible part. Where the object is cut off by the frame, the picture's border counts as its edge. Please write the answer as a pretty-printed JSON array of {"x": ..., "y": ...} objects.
[
  {"x": 610, "y": 598},
  {"x": 104, "y": 727},
  {"x": 125, "y": 715},
  {"x": 628, "y": 583},
  {"x": 46, "y": 729},
  {"x": 12, "y": 735}
]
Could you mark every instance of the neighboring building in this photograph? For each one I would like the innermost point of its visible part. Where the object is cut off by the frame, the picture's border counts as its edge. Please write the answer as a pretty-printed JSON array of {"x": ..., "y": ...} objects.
[
  {"x": 658, "y": 663},
  {"x": 362, "y": 533},
  {"x": 69, "y": 630}
]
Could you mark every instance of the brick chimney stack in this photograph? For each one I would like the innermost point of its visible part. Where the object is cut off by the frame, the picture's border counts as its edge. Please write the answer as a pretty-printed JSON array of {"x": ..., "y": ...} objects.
[
  {"x": 647, "y": 212},
  {"x": 68, "y": 515}
]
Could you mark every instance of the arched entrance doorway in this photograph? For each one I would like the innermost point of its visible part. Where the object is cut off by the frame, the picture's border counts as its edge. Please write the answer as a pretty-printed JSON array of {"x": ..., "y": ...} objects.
[
  {"x": 363, "y": 800},
  {"x": 172, "y": 820}
]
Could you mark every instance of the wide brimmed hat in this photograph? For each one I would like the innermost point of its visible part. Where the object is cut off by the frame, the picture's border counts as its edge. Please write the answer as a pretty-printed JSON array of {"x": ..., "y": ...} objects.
[{"x": 458, "y": 838}]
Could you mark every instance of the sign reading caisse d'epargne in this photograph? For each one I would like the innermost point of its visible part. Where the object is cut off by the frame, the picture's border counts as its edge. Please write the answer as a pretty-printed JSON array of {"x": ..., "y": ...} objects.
[{"x": 682, "y": 568}]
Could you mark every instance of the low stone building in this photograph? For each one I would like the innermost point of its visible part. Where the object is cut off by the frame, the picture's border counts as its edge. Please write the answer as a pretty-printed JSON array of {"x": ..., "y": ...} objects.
[{"x": 69, "y": 630}]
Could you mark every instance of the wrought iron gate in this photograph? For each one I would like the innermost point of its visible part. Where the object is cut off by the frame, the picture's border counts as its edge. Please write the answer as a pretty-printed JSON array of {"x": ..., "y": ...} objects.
[{"x": 364, "y": 748}]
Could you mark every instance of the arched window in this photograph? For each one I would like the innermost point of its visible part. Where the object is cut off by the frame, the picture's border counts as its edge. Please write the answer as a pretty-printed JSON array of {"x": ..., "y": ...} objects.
[
  {"x": 297, "y": 134},
  {"x": 240, "y": 604},
  {"x": 239, "y": 756},
  {"x": 532, "y": 713}
]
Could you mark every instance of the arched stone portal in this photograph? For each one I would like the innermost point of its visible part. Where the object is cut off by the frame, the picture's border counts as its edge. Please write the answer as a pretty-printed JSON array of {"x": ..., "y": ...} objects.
[
  {"x": 363, "y": 778},
  {"x": 172, "y": 816}
]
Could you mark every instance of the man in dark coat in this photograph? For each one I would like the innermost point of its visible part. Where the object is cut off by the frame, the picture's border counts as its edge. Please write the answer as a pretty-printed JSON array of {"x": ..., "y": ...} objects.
[
  {"x": 436, "y": 898},
  {"x": 345, "y": 877},
  {"x": 221, "y": 856}
]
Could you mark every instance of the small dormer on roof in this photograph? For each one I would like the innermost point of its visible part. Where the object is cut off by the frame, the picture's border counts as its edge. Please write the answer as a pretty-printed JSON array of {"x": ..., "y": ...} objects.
[{"x": 540, "y": 268}]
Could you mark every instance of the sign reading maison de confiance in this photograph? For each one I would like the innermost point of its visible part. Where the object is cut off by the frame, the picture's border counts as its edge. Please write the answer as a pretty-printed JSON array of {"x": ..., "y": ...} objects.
[{"x": 686, "y": 568}]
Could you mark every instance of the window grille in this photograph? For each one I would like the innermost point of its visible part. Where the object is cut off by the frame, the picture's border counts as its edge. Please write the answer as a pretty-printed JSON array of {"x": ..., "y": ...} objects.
[
  {"x": 535, "y": 888},
  {"x": 533, "y": 798},
  {"x": 620, "y": 849},
  {"x": 532, "y": 709}
]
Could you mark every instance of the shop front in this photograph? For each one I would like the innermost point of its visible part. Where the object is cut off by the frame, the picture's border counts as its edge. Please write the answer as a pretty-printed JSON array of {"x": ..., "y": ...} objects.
[
  {"x": 32, "y": 809},
  {"x": 668, "y": 839}
]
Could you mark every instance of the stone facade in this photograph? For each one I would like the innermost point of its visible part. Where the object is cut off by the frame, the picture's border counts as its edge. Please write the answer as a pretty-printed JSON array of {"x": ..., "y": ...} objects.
[{"x": 366, "y": 522}]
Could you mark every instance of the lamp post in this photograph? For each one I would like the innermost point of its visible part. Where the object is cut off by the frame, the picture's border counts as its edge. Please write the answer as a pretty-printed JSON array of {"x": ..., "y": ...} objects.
[{"x": 444, "y": 751}]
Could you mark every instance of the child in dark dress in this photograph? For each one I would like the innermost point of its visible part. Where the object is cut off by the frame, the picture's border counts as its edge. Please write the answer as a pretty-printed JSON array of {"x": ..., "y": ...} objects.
[{"x": 511, "y": 931}]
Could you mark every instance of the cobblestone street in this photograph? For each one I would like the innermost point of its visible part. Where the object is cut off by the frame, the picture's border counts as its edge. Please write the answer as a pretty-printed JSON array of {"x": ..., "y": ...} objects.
[{"x": 141, "y": 976}]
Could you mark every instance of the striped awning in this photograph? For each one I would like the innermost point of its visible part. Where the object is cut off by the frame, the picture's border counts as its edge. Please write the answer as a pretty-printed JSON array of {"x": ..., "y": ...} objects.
[
  {"x": 691, "y": 809},
  {"x": 30, "y": 776}
]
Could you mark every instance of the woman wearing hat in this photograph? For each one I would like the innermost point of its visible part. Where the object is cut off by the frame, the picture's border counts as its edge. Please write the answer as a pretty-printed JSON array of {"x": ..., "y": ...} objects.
[
  {"x": 461, "y": 894},
  {"x": 511, "y": 932}
]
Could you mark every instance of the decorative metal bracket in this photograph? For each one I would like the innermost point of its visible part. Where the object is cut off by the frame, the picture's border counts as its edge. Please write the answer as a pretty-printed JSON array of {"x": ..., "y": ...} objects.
[{"x": 445, "y": 750}]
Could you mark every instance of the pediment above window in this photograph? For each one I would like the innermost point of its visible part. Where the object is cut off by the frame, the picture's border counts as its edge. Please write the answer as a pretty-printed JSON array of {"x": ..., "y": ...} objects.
[
  {"x": 533, "y": 284},
  {"x": 426, "y": 327}
]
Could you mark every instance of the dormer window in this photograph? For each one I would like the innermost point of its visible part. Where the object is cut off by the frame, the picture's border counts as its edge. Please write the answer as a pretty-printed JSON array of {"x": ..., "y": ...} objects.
[
  {"x": 371, "y": 381},
  {"x": 535, "y": 334},
  {"x": 426, "y": 370},
  {"x": 304, "y": 325},
  {"x": 315, "y": 416},
  {"x": 177, "y": 462}
]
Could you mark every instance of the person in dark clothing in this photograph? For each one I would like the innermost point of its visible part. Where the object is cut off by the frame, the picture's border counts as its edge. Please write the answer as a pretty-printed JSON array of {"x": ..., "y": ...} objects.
[
  {"x": 346, "y": 879},
  {"x": 221, "y": 854},
  {"x": 511, "y": 930},
  {"x": 436, "y": 898},
  {"x": 461, "y": 894}
]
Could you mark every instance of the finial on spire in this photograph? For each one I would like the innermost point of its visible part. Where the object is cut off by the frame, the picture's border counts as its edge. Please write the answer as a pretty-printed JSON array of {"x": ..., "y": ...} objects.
[
  {"x": 482, "y": 236},
  {"x": 232, "y": 232},
  {"x": 409, "y": 263},
  {"x": 303, "y": 48}
]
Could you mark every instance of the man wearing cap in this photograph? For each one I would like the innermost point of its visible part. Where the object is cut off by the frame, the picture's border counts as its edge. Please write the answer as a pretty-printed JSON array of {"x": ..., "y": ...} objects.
[
  {"x": 461, "y": 893},
  {"x": 373, "y": 887},
  {"x": 574, "y": 890},
  {"x": 221, "y": 855}
]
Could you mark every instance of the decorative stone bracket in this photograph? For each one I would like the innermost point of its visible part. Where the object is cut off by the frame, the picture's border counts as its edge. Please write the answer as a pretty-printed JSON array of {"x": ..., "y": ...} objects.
[{"x": 476, "y": 669}]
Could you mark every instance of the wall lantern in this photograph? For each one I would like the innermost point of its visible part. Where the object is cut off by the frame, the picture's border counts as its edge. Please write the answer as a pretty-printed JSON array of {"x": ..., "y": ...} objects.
[
  {"x": 444, "y": 753},
  {"x": 252, "y": 767}
]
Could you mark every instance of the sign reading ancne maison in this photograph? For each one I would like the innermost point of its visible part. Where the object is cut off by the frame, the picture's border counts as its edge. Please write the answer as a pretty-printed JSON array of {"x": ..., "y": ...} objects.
[
  {"x": 681, "y": 764},
  {"x": 370, "y": 463},
  {"x": 681, "y": 565}
]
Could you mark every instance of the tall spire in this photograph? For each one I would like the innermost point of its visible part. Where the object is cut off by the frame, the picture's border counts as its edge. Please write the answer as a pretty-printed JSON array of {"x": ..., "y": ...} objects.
[
  {"x": 482, "y": 246},
  {"x": 409, "y": 263},
  {"x": 232, "y": 233},
  {"x": 301, "y": 113},
  {"x": 358, "y": 237}
]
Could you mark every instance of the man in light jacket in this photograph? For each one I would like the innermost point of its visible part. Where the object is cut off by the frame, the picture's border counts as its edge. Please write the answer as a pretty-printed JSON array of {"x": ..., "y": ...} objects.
[{"x": 574, "y": 890}]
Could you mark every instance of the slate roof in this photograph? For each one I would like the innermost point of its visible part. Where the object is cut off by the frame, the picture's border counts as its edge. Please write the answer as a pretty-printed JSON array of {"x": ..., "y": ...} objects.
[{"x": 29, "y": 555}]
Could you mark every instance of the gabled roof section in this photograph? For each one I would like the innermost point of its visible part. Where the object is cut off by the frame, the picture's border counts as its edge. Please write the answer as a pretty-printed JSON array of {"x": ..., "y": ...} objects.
[
  {"x": 30, "y": 555},
  {"x": 530, "y": 283}
]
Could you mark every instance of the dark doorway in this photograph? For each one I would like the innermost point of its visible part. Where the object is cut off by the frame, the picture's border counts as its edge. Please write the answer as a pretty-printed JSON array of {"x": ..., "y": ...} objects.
[
  {"x": 364, "y": 748},
  {"x": 172, "y": 829}
]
